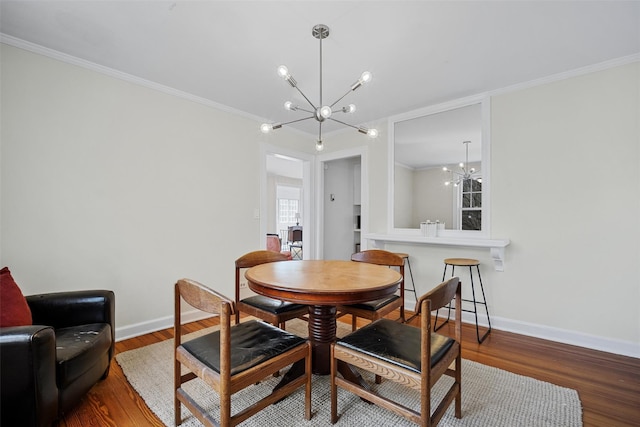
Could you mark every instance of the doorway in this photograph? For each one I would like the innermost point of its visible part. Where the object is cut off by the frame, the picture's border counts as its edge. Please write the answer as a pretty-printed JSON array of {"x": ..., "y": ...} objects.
[
  {"x": 342, "y": 203},
  {"x": 286, "y": 200}
]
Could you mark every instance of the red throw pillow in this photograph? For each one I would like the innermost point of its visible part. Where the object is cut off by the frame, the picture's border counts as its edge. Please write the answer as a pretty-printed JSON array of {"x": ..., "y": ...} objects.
[{"x": 14, "y": 310}]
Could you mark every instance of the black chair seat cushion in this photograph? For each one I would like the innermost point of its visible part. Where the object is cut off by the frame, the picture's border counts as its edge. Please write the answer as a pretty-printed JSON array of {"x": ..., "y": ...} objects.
[
  {"x": 252, "y": 342},
  {"x": 78, "y": 348},
  {"x": 375, "y": 305},
  {"x": 396, "y": 343},
  {"x": 272, "y": 305}
]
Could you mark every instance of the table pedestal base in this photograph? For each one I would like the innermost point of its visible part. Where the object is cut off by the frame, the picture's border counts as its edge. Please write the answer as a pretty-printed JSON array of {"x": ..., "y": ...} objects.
[{"x": 322, "y": 333}]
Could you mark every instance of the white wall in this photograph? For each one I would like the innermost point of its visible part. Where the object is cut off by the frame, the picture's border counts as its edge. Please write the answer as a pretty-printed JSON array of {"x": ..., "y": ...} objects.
[
  {"x": 108, "y": 184},
  {"x": 574, "y": 261},
  {"x": 565, "y": 174}
]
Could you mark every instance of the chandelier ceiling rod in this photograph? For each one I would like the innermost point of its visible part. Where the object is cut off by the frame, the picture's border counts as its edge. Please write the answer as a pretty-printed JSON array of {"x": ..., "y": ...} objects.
[{"x": 321, "y": 112}]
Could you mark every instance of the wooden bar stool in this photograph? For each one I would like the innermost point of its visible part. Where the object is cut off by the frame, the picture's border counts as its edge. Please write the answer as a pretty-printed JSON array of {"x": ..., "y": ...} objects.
[
  {"x": 467, "y": 262},
  {"x": 405, "y": 257}
]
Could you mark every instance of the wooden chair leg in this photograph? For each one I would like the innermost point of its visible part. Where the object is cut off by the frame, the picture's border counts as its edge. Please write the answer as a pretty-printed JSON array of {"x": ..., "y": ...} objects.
[
  {"x": 307, "y": 394},
  {"x": 334, "y": 388},
  {"x": 225, "y": 410}
]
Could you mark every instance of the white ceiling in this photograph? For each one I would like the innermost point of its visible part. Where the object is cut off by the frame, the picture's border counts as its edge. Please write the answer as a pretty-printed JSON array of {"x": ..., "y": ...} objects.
[{"x": 420, "y": 52}]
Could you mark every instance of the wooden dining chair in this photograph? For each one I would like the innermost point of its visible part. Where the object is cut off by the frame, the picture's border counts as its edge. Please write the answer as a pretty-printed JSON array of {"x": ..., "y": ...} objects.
[
  {"x": 268, "y": 309},
  {"x": 379, "y": 308},
  {"x": 232, "y": 358},
  {"x": 414, "y": 357}
]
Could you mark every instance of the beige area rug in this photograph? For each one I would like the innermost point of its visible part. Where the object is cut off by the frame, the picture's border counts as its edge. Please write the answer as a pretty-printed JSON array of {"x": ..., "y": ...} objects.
[{"x": 490, "y": 396}]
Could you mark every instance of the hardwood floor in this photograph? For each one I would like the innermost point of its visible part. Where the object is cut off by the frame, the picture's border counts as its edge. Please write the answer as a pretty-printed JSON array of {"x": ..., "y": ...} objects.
[{"x": 608, "y": 384}]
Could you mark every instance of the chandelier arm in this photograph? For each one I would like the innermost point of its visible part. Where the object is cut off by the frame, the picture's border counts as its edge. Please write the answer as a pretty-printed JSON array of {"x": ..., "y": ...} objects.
[
  {"x": 297, "y": 120},
  {"x": 305, "y": 97},
  {"x": 343, "y": 123},
  {"x": 319, "y": 131},
  {"x": 341, "y": 98},
  {"x": 306, "y": 111}
]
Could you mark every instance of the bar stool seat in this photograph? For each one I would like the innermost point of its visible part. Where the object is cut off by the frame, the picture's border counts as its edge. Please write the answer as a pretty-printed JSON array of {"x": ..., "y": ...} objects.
[
  {"x": 467, "y": 262},
  {"x": 405, "y": 257}
]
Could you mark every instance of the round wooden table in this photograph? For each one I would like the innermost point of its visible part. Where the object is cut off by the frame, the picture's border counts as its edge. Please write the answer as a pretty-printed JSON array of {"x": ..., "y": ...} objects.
[{"x": 322, "y": 285}]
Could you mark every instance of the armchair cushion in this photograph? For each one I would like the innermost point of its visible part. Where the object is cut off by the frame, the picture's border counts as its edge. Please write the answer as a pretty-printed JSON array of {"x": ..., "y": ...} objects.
[
  {"x": 77, "y": 348},
  {"x": 14, "y": 310}
]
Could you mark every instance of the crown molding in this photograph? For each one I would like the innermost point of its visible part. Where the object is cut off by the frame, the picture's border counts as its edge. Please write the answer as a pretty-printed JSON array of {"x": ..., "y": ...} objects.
[
  {"x": 601, "y": 66},
  {"x": 69, "y": 59}
]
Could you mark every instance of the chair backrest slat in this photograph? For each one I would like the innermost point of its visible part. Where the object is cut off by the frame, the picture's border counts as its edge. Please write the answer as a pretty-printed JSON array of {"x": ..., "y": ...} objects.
[
  {"x": 379, "y": 257},
  {"x": 439, "y": 296},
  {"x": 254, "y": 258},
  {"x": 202, "y": 297}
]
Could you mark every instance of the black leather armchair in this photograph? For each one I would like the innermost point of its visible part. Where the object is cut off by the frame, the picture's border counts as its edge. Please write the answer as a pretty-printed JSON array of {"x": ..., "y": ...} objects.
[{"x": 47, "y": 367}]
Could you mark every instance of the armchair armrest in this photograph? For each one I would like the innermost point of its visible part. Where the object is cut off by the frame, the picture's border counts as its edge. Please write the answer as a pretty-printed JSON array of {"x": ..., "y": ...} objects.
[
  {"x": 28, "y": 372},
  {"x": 65, "y": 309}
]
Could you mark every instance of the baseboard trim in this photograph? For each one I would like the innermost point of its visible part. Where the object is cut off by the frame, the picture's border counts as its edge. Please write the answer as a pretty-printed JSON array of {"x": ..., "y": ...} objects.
[
  {"x": 580, "y": 339},
  {"x": 142, "y": 328}
]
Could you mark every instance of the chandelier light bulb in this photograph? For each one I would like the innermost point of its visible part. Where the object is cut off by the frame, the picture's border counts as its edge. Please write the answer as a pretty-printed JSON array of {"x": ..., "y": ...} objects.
[
  {"x": 325, "y": 112},
  {"x": 447, "y": 182},
  {"x": 319, "y": 146},
  {"x": 365, "y": 77},
  {"x": 446, "y": 169},
  {"x": 349, "y": 108},
  {"x": 372, "y": 133},
  {"x": 461, "y": 164},
  {"x": 266, "y": 127},
  {"x": 289, "y": 106},
  {"x": 283, "y": 71}
]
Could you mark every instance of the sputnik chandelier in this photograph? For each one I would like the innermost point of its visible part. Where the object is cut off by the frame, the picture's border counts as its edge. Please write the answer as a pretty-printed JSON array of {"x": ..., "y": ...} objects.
[
  {"x": 466, "y": 173},
  {"x": 321, "y": 112}
]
